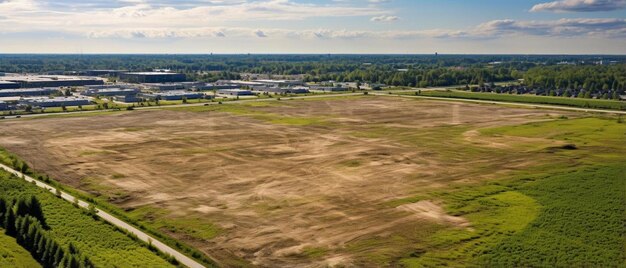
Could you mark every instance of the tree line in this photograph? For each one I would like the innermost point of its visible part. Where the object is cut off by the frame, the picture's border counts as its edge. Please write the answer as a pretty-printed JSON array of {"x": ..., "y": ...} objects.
[
  {"x": 545, "y": 71},
  {"x": 23, "y": 219},
  {"x": 592, "y": 78}
]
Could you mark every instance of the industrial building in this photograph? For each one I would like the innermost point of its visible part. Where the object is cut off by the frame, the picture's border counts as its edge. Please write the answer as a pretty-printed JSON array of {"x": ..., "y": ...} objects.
[
  {"x": 165, "y": 86},
  {"x": 54, "y": 102},
  {"x": 280, "y": 83},
  {"x": 28, "y": 92},
  {"x": 262, "y": 83},
  {"x": 329, "y": 88},
  {"x": 283, "y": 90},
  {"x": 206, "y": 87},
  {"x": 111, "y": 92},
  {"x": 239, "y": 83},
  {"x": 173, "y": 95},
  {"x": 235, "y": 92},
  {"x": 9, "y": 85},
  {"x": 104, "y": 72},
  {"x": 127, "y": 98},
  {"x": 38, "y": 81},
  {"x": 152, "y": 77}
]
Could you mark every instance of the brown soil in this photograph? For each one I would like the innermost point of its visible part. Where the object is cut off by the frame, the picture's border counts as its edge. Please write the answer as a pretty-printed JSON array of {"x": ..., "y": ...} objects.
[{"x": 273, "y": 189}]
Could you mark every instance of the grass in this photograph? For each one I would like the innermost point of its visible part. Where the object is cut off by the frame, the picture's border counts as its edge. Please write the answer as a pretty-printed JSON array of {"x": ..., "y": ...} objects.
[
  {"x": 13, "y": 255},
  {"x": 568, "y": 213},
  {"x": 574, "y": 102},
  {"x": 103, "y": 203},
  {"x": 103, "y": 243},
  {"x": 189, "y": 226}
]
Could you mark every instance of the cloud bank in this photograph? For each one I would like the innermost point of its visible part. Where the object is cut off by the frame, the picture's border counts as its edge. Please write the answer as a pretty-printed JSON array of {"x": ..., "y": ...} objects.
[{"x": 580, "y": 6}]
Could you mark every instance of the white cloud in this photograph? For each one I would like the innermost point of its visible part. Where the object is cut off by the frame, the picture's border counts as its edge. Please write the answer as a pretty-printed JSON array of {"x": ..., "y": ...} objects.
[
  {"x": 597, "y": 28},
  {"x": 384, "y": 18},
  {"x": 580, "y": 6}
]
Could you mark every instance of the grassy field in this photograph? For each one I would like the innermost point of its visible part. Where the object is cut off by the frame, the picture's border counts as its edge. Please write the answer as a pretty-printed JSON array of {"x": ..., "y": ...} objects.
[
  {"x": 569, "y": 213},
  {"x": 364, "y": 181},
  {"x": 574, "y": 102},
  {"x": 105, "y": 245},
  {"x": 13, "y": 255}
]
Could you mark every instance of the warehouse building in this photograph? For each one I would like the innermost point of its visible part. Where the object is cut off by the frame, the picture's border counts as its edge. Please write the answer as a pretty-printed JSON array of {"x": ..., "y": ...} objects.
[
  {"x": 206, "y": 87},
  {"x": 239, "y": 83},
  {"x": 28, "y": 92},
  {"x": 329, "y": 88},
  {"x": 174, "y": 95},
  {"x": 152, "y": 77},
  {"x": 38, "y": 81},
  {"x": 280, "y": 83},
  {"x": 110, "y": 73},
  {"x": 235, "y": 92},
  {"x": 127, "y": 98},
  {"x": 54, "y": 102},
  {"x": 283, "y": 90},
  {"x": 9, "y": 85},
  {"x": 111, "y": 92},
  {"x": 165, "y": 86}
]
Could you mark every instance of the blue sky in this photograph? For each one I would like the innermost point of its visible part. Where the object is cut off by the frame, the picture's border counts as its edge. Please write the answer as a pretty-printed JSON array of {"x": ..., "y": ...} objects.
[{"x": 313, "y": 26}]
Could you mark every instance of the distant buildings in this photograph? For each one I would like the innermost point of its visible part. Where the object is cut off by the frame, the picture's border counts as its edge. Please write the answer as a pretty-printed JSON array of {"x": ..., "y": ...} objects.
[
  {"x": 165, "y": 86},
  {"x": 38, "y": 81},
  {"x": 152, "y": 77},
  {"x": 226, "y": 87},
  {"x": 280, "y": 83},
  {"x": 262, "y": 83},
  {"x": 173, "y": 95},
  {"x": 282, "y": 90},
  {"x": 54, "y": 102},
  {"x": 8, "y": 85},
  {"x": 206, "y": 87},
  {"x": 110, "y": 92},
  {"x": 329, "y": 88},
  {"x": 104, "y": 72},
  {"x": 235, "y": 92},
  {"x": 28, "y": 92},
  {"x": 127, "y": 98}
]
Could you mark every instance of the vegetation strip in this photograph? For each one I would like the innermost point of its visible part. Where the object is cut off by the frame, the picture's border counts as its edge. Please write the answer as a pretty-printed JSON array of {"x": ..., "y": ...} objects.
[
  {"x": 111, "y": 219},
  {"x": 524, "y": 104},
  {"x": 531, "y": 99}
]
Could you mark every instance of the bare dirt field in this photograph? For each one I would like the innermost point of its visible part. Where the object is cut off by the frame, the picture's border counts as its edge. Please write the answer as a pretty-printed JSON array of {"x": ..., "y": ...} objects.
[{"x": 291, "y": 183}]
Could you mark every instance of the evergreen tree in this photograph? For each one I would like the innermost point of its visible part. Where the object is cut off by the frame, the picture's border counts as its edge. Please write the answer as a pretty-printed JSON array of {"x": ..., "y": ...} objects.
[
  {"x": 36, "y": 211},
  {"x": 58, "y": 257},
  {"x": 9, "y": 226}
]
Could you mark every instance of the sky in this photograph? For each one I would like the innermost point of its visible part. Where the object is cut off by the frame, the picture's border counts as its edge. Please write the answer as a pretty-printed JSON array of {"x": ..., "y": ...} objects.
[{"x": 314, "y": 26}]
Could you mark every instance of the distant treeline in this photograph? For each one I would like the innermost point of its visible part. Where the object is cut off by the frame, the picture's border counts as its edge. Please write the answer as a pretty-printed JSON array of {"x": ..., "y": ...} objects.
[
  {"x": 590, "y": 78},
  {"x": 396, "y": 70},
  {"x": 23, "y": 219}
]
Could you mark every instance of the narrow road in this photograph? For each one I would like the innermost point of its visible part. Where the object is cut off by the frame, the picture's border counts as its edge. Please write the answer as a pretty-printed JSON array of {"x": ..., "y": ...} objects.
[{"x": 113, "y": 220}]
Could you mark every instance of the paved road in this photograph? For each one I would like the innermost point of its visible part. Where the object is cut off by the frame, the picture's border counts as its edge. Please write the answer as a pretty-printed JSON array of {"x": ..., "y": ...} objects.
[{"x": 115, "y": 221}]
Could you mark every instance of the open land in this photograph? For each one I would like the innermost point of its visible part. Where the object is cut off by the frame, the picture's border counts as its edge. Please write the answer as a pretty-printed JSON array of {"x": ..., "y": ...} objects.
[{"x": 365, "y": 181}]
